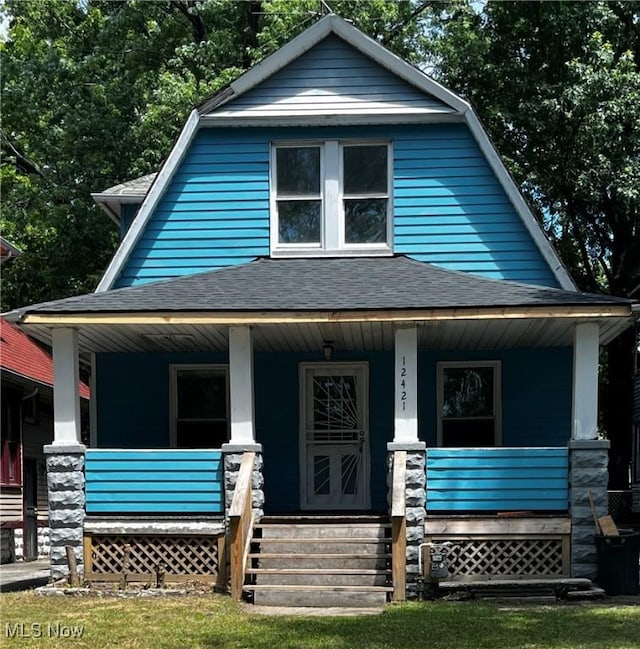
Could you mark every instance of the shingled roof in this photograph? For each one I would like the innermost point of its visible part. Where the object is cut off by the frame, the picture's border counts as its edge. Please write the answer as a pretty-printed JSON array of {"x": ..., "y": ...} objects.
[
  {"x": 322, "y": 284},
  {"x": 23, "y": 358}
]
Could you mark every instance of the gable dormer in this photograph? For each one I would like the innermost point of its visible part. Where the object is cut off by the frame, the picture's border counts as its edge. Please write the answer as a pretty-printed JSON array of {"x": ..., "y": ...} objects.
[{"x": 334, "y": 146}]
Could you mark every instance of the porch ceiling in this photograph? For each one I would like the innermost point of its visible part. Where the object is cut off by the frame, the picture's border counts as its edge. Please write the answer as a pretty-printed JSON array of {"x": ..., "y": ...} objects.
[{"x": 504, "y": 333}]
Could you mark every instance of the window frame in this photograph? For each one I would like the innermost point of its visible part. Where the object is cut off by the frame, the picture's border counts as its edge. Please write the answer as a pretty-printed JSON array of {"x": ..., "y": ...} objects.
[
  {"x": 11, "y": 439},
  {"x": 174, "y": 369},
  {"x": 332, "y": 214},
  {"x": 441, "y": 366}
]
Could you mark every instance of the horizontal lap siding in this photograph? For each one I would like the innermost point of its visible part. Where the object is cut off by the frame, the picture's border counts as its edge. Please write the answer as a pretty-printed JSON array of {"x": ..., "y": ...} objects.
[
  {"x": 448, "y": 207},
  {"x": 215, "y": 212},
  {"x": 331, "y": 78},
  {"x": 500, "y": 479},
  {"x": 171, "y": 481},
  {"x": 451, "y": 211}
]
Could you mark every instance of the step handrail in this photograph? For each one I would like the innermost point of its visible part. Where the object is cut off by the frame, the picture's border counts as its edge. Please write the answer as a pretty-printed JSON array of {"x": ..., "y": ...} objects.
[
  {"x": 241, "y": 524},
  {"x": 399, "y": 526}
]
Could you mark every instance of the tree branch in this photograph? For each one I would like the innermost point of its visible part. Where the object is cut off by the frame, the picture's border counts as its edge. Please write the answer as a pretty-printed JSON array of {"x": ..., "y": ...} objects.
[
  {"x": 398, "y": 26},
  {"x": 22, "y": 163},
  {"x": 197, "y": 24}
]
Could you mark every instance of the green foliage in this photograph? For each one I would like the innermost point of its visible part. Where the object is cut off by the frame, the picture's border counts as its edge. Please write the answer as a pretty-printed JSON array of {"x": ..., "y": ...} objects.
[
  {"x": 94, "y": 93},
  {"x": 558, "y": 86}
]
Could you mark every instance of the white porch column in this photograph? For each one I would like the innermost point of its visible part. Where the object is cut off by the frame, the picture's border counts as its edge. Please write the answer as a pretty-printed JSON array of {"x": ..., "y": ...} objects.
[
  {"x": 66, "y": 377},
  {"x": 406, "y": 385},
  {"x": 241, "y": 385},
  {"x": 586, "y": 350}
]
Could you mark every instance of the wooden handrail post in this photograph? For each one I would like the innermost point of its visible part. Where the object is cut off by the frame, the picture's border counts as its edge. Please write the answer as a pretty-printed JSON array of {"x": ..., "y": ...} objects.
[
  {"x": 241, "y": 524},
  {"x": 399, "y": 526}
]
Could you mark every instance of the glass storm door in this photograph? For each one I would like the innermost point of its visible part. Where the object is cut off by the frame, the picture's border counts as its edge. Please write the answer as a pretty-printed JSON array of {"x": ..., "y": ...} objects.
[{"x": 335, "y": 436}]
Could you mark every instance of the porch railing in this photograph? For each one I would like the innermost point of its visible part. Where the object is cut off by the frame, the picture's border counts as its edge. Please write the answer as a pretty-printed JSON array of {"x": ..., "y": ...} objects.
[
  {"x": 241, "y": 524},
  {"x": 167, "y": 481},
  {"x": 497, "y": 479},
  {"x": 399, "y": 526}
]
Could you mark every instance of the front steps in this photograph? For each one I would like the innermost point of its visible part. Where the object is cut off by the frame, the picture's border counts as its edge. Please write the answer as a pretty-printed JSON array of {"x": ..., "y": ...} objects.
[{"x": 320, "y": 561}]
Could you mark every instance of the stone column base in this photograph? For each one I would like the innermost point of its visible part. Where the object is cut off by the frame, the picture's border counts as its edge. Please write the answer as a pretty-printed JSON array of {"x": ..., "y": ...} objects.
[
  {"x": 232, "y": 459},
  {"x": 65, "y": 483},
  {"x": 587, "y": 474},
  {"x": 416, "y": 498}
]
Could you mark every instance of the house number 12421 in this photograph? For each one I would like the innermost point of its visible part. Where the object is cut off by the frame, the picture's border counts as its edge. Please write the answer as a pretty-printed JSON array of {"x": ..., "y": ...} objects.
[{"x": 403, "y": 383}]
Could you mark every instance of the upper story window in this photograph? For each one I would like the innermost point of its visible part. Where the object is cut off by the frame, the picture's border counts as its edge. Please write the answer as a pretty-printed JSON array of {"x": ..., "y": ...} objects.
[{"x": 331, "y": 197}]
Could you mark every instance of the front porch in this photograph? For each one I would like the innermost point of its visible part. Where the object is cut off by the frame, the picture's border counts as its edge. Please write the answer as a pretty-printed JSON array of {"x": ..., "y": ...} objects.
[
  {"x": 159, "y": 516},
  {"x": 368, "y": 403}
]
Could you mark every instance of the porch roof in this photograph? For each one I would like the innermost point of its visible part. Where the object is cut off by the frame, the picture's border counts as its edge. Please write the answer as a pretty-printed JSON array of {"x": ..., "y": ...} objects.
[
  {"x": 322, "y": 284},
  {"x": 297, "y": 303}
]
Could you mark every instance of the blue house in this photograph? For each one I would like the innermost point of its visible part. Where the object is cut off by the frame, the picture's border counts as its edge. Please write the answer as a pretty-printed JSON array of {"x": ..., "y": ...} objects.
[{"x": 333, "y": 331}]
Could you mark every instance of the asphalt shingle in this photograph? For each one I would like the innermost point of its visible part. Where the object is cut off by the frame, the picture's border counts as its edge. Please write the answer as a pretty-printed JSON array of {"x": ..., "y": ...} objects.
[{"x": 322, "y": 284}]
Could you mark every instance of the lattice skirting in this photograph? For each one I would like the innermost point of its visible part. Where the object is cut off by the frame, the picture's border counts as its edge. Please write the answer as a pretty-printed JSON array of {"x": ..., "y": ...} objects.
[
  {"x": 155, "y": 558},
  {"x": 507, "y": 559},
  {"x": 490, "y": 548}
]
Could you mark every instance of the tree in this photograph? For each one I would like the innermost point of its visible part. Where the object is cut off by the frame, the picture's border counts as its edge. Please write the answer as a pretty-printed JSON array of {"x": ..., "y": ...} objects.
[
  {"x": 94, "y": 93},
  {"x": 558, "y": 87}
]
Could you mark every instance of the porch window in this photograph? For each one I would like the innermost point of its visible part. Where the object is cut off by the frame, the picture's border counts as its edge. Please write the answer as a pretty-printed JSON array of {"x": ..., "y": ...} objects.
[
  {"x": 10, "y": 433},
  {"x": 199, "y": 406},
  {"x": 331, "y": 197},
  {"x": 469, "y": 405}
]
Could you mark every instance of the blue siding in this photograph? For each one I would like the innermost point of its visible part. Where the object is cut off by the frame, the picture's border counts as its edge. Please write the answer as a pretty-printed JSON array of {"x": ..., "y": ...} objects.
[
  {"x": 166, "y": 481},
  {"x": 133, "y": 406},
  {"x": 331, "y": 78},
  {"x": 499, "y": 479},
  {"x": 133, "y": 397},
  {"x": 536, "y": 393},
  {"x": 449, "y": 208}
]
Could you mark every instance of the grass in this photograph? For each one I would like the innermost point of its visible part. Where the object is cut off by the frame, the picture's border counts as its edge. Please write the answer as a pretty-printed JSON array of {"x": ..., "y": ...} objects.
[{"x": 215, "y": 621}]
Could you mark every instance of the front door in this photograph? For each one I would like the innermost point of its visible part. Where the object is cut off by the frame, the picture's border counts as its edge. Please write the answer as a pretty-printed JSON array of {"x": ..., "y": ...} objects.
[{"x": 334, "y": 436}]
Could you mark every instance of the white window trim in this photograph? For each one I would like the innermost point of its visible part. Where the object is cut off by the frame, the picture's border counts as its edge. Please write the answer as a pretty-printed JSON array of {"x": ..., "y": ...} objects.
[
  {"x": 332, "y": 241},
  {"x": 173, "y": 394},
  {"x": 497, "y": 394}
]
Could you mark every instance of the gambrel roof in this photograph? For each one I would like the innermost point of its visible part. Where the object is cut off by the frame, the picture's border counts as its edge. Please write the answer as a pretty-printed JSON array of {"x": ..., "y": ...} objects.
[{"x": 260, "y": 97}]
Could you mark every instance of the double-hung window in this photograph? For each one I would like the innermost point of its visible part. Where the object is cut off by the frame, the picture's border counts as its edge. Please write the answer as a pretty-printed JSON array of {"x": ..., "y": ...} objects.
[{"x": 331, "y": 198}]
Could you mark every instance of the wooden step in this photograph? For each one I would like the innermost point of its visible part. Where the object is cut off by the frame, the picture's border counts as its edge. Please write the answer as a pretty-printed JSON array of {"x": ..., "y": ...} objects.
[
  {"x": 321, "y": 561},
  {"x": 329, "y": 518},
  {"x": 327, "y": 539},
  {"x": 325, "y": 531},
  {"x": 330, "y": 576},
  {"x": 319, "y": 596},
  {"x": 318, "y": 555},
  {"x": 317, "y": 571},
  {"x": 322, "y": 588}
]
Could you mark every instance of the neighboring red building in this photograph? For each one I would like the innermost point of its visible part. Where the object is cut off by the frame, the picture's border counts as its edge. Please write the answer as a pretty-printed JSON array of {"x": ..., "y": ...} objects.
[{"x": 26, "y": 426}]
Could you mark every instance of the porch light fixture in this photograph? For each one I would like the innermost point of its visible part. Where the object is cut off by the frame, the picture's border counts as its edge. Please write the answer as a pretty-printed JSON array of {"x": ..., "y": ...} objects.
[{"x": 328, "y": 349}]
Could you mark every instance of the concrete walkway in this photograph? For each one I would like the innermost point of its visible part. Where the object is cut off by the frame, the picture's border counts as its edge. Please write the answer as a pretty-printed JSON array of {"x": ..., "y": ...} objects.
[{"x": 23, "y": 575}]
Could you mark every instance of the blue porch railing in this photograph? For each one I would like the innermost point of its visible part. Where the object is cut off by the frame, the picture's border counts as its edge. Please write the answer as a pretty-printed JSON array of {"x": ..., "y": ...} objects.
[
  {"x": 168, "y": 481},
  {"x": 497, "y": 479}
]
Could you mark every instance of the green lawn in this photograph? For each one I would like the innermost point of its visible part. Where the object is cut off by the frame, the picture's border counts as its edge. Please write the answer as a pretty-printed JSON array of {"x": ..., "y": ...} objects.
[{"x": 215, "y": 621}]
